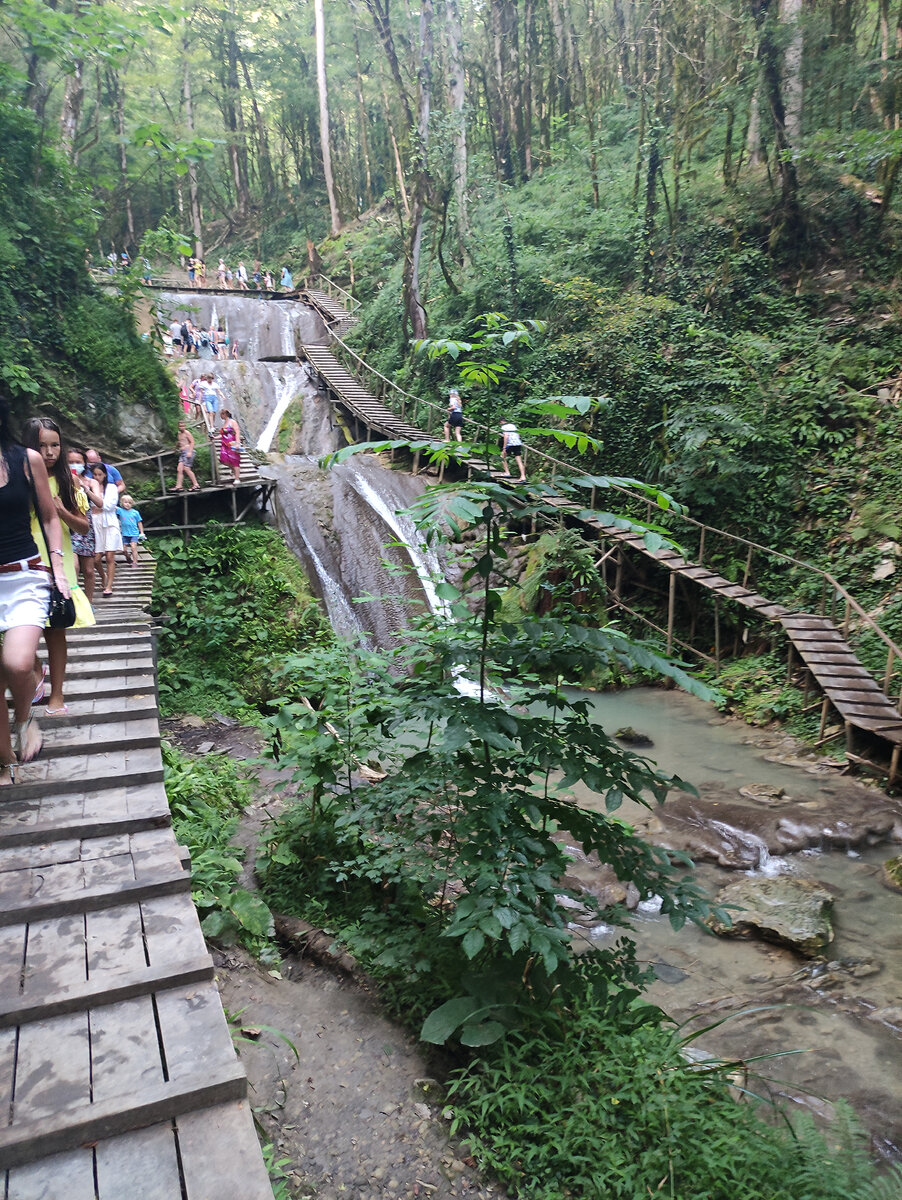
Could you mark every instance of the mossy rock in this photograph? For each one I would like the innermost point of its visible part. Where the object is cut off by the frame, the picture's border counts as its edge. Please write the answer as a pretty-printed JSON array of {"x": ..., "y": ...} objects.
[
  {"x": 632, "y": 737},
  {"x": 892, "y": 873},
  {"x": 792, "y": 912}
]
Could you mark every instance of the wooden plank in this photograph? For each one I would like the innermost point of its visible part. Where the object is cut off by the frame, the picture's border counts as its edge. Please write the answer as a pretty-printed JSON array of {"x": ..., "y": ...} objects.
[
  {"x": 883, "y": 712},
  {"x": 220, "y": 1155},
  {"x": 193, "y": 1029},
  {"x": 72, "y": 1125},
  {"x": 105, "y": 989},
  {"x": 856, "y": 696},
  {"x": 105, "y": 896},
  {"x": 68, "y": 1176},
  {"x": 125, "y": 1051},
  {"x": 171, "y": 930},
  {"x": 142, "y": 1165}
]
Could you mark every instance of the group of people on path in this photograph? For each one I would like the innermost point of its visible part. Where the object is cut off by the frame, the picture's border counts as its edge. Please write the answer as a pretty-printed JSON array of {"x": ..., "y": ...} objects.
[
  {"x": 61, "y": 513},
  {"x": 204, "y": 398},
  {"x": 511, "y": 442},
  {"x": 187, "y": 339},
  {"x": 260, "y": 279}
]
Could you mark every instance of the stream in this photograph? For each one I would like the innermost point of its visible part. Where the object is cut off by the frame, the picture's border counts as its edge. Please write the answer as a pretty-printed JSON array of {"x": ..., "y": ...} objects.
[{"x": 843, "y": 1015}]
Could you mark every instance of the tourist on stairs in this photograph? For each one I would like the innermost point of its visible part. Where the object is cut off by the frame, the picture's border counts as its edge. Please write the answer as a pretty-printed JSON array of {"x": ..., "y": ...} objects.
[
  {"x": 230, "y": 446},
  {"x": 186, "y": 460},
  {"x": 107, "y": 534},
  {"x": 24, "y": 586},
  {"x": 83, "y": 543},
  {"x": 72, "y": 506}
]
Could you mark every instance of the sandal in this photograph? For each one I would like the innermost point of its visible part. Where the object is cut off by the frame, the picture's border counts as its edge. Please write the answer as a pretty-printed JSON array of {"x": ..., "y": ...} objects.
[
  {"x": 176, "y": 489},
  {"x": 195, "y": 489},
  {"x": 41, "y": 688},
  {"x": 107, "y": 593},
  {"x": 11, "y": 767},
  {"x": 62, "y": 711},
  {"x": 29, "y": 740}
]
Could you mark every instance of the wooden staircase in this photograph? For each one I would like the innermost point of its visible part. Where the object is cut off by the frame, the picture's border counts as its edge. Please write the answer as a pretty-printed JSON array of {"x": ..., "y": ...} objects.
[{"x": 117, "y": 1070}]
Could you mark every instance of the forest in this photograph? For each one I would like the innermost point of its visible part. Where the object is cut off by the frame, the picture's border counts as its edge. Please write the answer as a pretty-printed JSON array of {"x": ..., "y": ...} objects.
[{"x": 693, "y": 208}]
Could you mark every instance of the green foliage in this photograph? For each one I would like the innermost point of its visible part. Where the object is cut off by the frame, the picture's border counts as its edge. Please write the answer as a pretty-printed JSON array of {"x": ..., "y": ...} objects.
[
  {"x": 462, "y": 831},
  {"x": 234, "y": 601},
  {"x": 64, "y": 347},
  {"x": 634, "y": 1116},
  {"x": 206, "y": 797}
]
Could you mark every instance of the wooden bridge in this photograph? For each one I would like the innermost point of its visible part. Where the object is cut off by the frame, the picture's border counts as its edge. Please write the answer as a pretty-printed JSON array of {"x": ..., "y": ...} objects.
[
  {"x": 119, "y": 1077},
  {"x": 816, "y": 641},
  {"x": 252, "y": 494}
]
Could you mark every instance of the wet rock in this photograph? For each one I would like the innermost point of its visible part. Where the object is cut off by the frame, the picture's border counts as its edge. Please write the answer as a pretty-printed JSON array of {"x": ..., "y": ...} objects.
[
  {"x": 632, "y": 737},
  {"x": 601, "y": 883},
  {"x": 762, "y": 793},
  {"x": 668, "y": 973},
  {"x": 793, "y": 912},
  {"x": 719, "y": 825},
  {"x": 891, "y": 876}
]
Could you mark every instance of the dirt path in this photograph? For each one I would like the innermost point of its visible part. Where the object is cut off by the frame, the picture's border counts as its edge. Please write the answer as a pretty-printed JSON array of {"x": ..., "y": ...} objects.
[{"x": 357, "y": 1112}]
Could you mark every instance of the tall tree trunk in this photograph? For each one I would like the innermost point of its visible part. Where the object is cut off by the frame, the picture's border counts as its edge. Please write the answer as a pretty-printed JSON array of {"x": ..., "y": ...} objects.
[
  {"x": 234, "y": 118},
  {"x": 324, "y": 114},
  {"x": 362, "y": 124},
  {"x": 497, "y": 93},
  {"x": 193, "y": 194},
  {"x": 264, "y": 159},
  {"x": 73, "y": 96},
  {"x": 457, "y": 96},
  {"x": 123, "y": 162},
  {"x": 416, "y": 313},
  {"x": 790, "y": 230},
  {"x": 790, "y": 15}
]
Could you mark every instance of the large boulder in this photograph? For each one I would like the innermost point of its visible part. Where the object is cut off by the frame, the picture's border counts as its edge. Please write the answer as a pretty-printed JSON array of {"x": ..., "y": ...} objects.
[{"x": 793, "y": 912}]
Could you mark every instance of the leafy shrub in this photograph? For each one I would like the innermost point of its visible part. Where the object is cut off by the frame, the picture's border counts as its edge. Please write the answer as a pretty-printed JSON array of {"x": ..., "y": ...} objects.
[
  {"x": 233, "y": 602},
  {"x": 206, "y": 797},
  {"x": 601, "y": 1102}
]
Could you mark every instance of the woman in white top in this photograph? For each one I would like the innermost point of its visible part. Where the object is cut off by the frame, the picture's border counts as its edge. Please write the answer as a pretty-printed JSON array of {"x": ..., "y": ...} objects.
[{"x": 107, "y": 534}]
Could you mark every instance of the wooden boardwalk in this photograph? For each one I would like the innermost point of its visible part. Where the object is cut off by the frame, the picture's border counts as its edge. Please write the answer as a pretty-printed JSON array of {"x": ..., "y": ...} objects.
[
  {"x": 119, "y": 1076},
  {"x": 847, "y": 685}
]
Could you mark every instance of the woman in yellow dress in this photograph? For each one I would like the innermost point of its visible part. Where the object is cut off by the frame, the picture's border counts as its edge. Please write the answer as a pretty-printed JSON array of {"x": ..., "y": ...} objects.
[{"x": 72, "y": 505}]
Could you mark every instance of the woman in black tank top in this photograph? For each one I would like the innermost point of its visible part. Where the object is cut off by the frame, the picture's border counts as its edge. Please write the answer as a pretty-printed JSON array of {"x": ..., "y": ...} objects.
[{"x": 24, "y": 586}]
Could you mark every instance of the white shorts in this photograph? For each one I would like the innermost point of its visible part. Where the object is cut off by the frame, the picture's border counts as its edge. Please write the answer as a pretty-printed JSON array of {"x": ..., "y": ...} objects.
[{"x": 24, "y": 599}]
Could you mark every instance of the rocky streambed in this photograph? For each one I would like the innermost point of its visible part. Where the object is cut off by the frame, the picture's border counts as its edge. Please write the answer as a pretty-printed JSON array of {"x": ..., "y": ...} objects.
[{"x": 811, "y": 969}]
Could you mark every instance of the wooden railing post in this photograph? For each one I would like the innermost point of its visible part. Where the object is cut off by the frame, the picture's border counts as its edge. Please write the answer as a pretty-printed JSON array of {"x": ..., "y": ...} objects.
[
  {"x": 701, "y": 547},
  {"x": 716, "y": 636},
  {"x": 845, "y": 624},
  {"x": 748, "y": 568},
  {"x": 162, "y": 476},
  {"x": 888, "y": 673},
  {"x": 671, "y": 603}
]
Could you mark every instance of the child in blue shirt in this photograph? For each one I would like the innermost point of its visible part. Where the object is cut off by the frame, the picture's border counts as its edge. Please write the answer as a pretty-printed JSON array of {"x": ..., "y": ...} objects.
[{"x": 132, "y": 528}]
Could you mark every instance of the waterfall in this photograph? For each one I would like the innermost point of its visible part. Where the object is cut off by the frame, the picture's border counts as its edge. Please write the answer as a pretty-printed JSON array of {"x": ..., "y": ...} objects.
[{"x": 344, "y": 524}]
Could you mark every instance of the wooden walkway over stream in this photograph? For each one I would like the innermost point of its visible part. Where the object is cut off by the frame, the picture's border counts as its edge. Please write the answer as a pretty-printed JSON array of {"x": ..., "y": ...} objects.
[
  {"x": 816, "y": 641},
  {"x": 119, "y": 1078}
]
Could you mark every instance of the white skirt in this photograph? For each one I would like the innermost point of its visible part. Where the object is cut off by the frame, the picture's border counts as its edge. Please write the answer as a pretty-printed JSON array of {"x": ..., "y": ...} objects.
[
  {"x": 107, "y": 537},
  {"x": 24, "y": 598}
]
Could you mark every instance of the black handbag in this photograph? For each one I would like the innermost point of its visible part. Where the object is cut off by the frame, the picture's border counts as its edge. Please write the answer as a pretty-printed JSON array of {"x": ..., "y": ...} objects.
[{"x": 61, "y": 614}]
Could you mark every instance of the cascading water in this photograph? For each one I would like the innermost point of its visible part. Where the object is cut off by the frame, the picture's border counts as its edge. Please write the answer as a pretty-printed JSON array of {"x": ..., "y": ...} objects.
[{"x": 343, "y": 524}]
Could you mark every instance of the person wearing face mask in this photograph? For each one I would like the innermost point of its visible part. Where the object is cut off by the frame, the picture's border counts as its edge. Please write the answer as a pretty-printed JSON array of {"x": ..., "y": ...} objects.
[{"x": 43, "y": 435}]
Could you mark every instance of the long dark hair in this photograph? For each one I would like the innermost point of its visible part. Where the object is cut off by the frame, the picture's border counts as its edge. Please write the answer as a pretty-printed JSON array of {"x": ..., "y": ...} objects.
[{"x": 31, "y": 437}]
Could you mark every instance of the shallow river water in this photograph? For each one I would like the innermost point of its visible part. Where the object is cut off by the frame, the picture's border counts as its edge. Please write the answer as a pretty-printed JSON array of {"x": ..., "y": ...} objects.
[{"x": 845, "y": 1020}]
